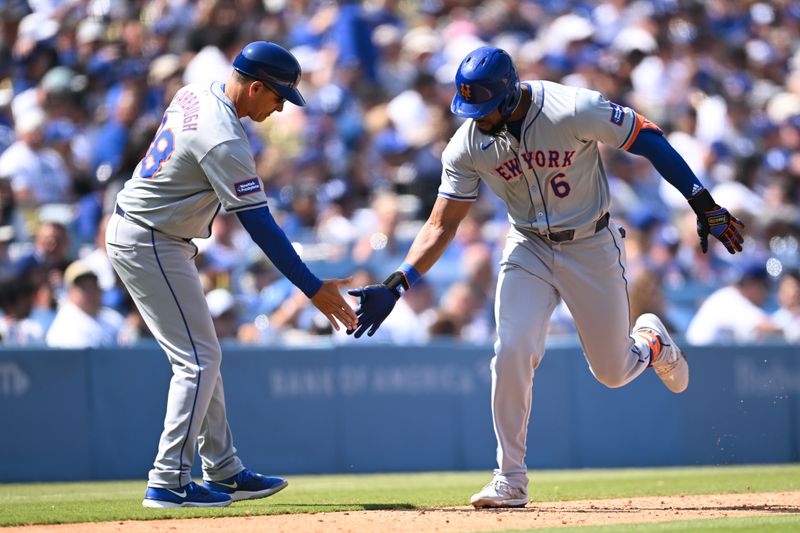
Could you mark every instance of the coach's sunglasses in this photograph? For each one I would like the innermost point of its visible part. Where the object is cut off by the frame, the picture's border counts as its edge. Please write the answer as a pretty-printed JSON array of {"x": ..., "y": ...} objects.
[{"x": 281, "y": 99}]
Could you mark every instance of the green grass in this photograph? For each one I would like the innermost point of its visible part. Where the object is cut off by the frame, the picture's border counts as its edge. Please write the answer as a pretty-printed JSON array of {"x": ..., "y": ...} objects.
[{"x": 47, "y": 503}]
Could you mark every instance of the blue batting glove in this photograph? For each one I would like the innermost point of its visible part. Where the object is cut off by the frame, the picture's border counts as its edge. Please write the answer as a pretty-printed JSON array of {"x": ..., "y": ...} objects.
[{"x": 377, "y": 301}]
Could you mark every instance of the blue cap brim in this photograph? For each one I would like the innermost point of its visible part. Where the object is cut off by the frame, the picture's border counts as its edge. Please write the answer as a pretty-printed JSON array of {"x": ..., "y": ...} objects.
[
  {"x": 292, "y": 95},
  {"x": 462, "y": 108}
]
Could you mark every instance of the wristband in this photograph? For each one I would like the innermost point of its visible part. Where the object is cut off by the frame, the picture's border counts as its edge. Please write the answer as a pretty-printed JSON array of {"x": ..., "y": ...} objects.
[
  {"x": 412, "y": 276},
  {"x": 402, "y": 279},
  {"x": 397, "y": 283},
  {"x": 702, "y": 202}
]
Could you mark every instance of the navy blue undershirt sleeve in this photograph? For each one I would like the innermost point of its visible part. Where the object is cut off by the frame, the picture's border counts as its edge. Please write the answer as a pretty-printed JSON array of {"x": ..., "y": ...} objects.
[
  {"x": 652, "y": 145},
  {"x": 270, "y": 237}
]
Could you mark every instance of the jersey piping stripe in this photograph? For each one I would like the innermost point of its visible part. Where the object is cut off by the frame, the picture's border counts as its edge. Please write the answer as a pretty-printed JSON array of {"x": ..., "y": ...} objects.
[
  {"x": 217, "y": 86},
  {"x": 630, "y": 135},
  {"x": 248, "y": 206},
  {"x": 455, "y": 197},
  {"x": 194, "y": 349},
  {"x": 541, "y": 104},
  {"x": 535, "y": 175},
  {"x": 640, "y": 123},
  {"x": 219, "y": 206}
]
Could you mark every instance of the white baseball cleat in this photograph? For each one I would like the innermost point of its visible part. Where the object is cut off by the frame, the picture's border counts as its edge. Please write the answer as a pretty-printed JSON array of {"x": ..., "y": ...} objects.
[
  {"x": 667, "y": 359},
  {"x": 498, "y": 493}
]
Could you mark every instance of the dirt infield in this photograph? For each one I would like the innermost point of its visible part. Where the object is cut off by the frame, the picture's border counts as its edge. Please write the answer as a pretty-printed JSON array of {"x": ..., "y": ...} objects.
[{"x": 536, "y": 515}]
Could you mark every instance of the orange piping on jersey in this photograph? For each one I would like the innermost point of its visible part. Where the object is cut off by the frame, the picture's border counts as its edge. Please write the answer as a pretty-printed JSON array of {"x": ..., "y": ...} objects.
[{"x": 641, "y": 124}]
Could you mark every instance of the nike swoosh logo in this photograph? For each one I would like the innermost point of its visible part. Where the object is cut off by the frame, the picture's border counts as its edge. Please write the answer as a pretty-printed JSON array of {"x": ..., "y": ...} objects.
[
  {"x": 484, "y": 146},
  {"x": 181, "y": 494},
  {"x": 229, "y": 485}
]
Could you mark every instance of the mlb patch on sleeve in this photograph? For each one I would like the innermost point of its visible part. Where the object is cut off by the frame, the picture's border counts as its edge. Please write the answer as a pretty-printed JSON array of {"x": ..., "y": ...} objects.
[
  {"x": 245, "y": 187},
  {"x": 617, "y": 114}
]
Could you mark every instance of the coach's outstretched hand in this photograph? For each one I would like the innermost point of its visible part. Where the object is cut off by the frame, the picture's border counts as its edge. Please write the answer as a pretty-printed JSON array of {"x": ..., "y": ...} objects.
[
  {"x": 377, "y": 301},
  {"x": 716, "y": 220},
  {"x": 330, "y": 302}
]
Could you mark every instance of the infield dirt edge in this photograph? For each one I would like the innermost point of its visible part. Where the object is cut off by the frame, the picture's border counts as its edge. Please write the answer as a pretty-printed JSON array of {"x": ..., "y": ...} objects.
[{"x": 593, "y": 512}]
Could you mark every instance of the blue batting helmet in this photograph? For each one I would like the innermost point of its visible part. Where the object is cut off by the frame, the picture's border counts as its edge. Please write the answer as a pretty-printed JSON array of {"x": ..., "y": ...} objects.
[
  {"x": 272, "y": 64},
  {"x": 486, "y": 80}
]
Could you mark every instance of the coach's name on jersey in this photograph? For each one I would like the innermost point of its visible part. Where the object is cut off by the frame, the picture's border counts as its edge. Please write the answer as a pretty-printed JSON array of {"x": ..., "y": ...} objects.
[
  {"x": 248, "y": 186},
  {"x": 512, "y": 168},
  {"x": 190, "y": 105}
]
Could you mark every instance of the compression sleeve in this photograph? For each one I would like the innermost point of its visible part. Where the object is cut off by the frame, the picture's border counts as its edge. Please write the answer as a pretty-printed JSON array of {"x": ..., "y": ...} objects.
[
  {"x": 270, "y": 237},
  {"x": 652, "y": 145}
]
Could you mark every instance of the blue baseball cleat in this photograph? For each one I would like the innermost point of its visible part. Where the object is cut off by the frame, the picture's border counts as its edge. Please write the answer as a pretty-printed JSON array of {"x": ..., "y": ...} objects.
[
  {"x": 247, "y": 485},
  {"x": 189, "y": 495}
]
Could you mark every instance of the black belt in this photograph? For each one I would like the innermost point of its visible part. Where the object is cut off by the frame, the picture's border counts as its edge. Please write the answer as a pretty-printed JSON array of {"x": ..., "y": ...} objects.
[
  {"x": 121, "y": 212},
  {"x": 569, "y": 234}
]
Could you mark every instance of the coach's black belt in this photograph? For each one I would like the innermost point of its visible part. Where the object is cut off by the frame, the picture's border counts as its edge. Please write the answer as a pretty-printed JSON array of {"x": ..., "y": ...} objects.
[
  {"x": 121, "y": 212},
  {"x": 569, "y": 234}
]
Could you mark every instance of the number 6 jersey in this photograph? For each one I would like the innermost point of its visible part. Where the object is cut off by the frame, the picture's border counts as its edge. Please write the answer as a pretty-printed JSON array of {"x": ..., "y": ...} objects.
[
  {"x": 553, "y": 178},
  {"x": 199, "y": 159}
]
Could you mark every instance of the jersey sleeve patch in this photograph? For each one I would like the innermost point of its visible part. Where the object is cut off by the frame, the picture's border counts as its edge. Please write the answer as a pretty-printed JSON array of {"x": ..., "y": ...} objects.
[
  {"x": 617, "y": 114},
  {"x": 247, "y": 187}
]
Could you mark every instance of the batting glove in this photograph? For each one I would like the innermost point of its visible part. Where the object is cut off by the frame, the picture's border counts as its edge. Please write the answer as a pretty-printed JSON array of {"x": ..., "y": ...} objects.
[
  {"x": 717, "y": 221},
  {"x": 377, "y": 301}
]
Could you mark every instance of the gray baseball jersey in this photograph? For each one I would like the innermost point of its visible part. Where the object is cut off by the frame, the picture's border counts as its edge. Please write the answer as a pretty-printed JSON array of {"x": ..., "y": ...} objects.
[
  {"x": 552, "y": 179},
  {"x": 561, "y": 246},
  {"x": 199, "y": 158}
]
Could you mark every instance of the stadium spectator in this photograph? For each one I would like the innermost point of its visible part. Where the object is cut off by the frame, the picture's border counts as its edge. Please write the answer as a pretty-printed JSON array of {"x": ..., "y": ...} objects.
[
  {"x": 647, "y": 296},
  {"x": 224, "y": 314},
  {"x": 788, "y": 314},
  {"x": 735, "y": 313},
  {"x": 414, "y": 318},
  {"x": 83, "y": 85},
  {"x": 50, "y": 249},
  {"x": 81, "y": 320},
  {"x": 16, "y": 303},
  {"x": 38, "y": 174},
  {"x": 461, "y": 306}
]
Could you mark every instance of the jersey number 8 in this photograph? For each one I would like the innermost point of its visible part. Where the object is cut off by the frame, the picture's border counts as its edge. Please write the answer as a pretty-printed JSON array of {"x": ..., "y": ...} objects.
[{"x": 160, "y": 150}]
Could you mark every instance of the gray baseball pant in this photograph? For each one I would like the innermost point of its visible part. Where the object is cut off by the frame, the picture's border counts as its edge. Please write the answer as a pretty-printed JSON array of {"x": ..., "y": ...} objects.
[
  {"x": 589, "y": 274},
  {"x": 159, "y": 272}
]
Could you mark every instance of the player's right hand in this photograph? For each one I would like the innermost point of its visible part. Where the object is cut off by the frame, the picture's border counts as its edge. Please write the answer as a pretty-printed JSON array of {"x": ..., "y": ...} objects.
[
  {"x": 377, "y": 301},
  {"x": 331, "y": 303}
]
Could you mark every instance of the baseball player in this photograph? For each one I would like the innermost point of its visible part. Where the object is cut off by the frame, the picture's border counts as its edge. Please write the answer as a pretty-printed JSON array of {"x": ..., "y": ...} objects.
[
  {"x": 535, "y": 145},
  {"x": 198, "y": 161}
]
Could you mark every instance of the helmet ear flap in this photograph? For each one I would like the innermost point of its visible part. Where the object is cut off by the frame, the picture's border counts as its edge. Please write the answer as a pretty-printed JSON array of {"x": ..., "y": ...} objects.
[{"x": 511, "y": 101}]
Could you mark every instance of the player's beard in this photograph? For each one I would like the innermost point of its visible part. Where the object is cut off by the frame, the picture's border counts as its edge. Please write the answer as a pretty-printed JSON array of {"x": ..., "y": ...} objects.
[{"x": 496, "y": 130}]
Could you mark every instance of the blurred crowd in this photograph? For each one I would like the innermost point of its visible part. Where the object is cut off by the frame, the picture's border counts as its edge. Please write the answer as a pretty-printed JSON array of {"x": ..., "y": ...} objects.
[{"x": 352, "y": 176}]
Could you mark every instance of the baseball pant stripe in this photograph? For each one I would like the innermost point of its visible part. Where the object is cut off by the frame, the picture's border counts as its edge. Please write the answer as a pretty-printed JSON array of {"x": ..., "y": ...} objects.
[
  {"x": 622, "y": 267},
  {"x": 194, "y": 350}
]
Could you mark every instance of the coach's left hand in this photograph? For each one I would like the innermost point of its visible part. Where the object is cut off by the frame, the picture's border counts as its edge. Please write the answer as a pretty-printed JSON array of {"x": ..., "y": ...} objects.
[{"x": 331, "y": 303}]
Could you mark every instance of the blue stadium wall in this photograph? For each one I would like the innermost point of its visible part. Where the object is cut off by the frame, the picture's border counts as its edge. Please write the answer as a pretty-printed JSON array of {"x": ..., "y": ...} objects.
[{"x": 76, "y": 415}]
